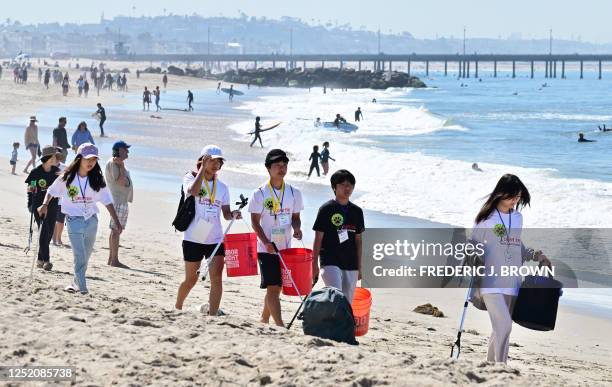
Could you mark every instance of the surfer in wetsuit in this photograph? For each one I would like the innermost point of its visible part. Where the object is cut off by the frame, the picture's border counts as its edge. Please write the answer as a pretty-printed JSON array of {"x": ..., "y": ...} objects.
[
  {"x": 339, "y": 119},
  {"x": 315, "y": 156},
  {"x": 257, "y": 131},
  {"x": 358, "y": 115},
  {"x": 582, "y": 139},
  {"x": 604, "y": 129},
  {"x": 190, "y": 99},
  {"x": 231, "y": 93},
  {"x": 318, "y": 122}
]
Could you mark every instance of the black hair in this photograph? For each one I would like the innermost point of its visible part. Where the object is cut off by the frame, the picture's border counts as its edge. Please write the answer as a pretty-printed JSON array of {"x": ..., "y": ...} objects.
[
  {"x": 44, "y": 159},
  {"x": 257, "y": 118},
  {"x": 326, "y": 143},
  {"x": 15, "y": 144},
  {"x": 340, "y": 176},
  {"x": 96, "y": 179},
  {"x": 61, "y": 119},
  {"x": 315, "y": 148},
  {"x": 507, "y": 187},
  {"x": 82, "y": 123}
]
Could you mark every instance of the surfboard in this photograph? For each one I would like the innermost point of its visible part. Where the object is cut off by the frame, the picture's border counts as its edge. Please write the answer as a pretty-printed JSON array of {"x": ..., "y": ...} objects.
[
  {"x": 236, "y": 92},
  {"x": 344, "y": 126},
  {"x": 97, "y": 116},
  {"x": 268, "y": 128},
  {"x": 176, "y": 110}
]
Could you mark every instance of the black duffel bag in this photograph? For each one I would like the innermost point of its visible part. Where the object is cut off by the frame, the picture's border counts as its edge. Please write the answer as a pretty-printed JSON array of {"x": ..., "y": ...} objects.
[{"x": 537, "y": 302}]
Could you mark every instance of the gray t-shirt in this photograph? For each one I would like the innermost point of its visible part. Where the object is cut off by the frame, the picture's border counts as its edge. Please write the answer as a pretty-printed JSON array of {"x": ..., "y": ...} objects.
[{"x": 121, "y": 193}]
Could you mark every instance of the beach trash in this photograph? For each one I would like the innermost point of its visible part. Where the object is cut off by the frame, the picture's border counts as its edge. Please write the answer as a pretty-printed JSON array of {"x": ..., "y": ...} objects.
[
  {"x": 299, "y": 264},
  {"x": 362, "y": 302},
  {"x": 241, "y": 254}
]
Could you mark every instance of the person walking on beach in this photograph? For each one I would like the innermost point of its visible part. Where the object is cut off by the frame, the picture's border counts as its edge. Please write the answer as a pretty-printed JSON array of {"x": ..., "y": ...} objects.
[
  {"x": 498, "y": 227},
  {"x": 212, "y": 200},
  {"x": 257, "y": 131},
  {"x": 338, "y": 245},
  {"x": 80, "y": 188},
  {"x": 275, "y": 210},
  {"x": 157, "y": 94},
  {"x": 101, "y": 113},
  {"x": 218, "y": 87},
  {"x": 315, "y": 156},
  {"x": 190, "y": 100},
  {"x": 13, "y": 161},
  {"x": 121, "y": 187},
  {"x": 38, "y": 181},
  {"x": 31, "y": 141},
  {"x": 65, "y": 85},
  {"x": 80, "y": 85},
  {"x": 358, "y": 115},
  {"x": 86, "y": 88},
  {"x": 165, "y": 80},
  {"x": 60, "y": 137},
  {"x": 81, "y": 136},
  {"x": 325, "y": 157},
  {"x": 146, "y": 99},
  {"x": 47, "y": 78},
  {"x": 60, "y": 216}
]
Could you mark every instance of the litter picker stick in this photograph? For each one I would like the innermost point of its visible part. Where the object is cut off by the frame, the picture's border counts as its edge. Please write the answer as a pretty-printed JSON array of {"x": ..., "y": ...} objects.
[
  {"x": 457, "y": 343},
  {"x": 292, "y": 282},
  {"x": 241, "y": 204}
]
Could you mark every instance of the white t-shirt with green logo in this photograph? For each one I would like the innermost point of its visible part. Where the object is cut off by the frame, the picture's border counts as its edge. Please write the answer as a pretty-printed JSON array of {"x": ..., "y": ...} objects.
[
  {"x": 206, "y": 211},
  {"x": 77, "y": 203},
  {"x": 500, "y": 250},
  {"x": 280, "y": 225}
]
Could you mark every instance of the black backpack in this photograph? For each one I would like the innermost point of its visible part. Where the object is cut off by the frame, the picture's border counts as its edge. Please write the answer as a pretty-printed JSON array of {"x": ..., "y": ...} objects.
[
  {"x": 184, "y": 213},
  {"x": 328, "y": 314}
]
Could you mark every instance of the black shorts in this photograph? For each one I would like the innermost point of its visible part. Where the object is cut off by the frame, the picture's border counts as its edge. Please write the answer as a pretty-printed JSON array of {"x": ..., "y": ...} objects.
[
  {"x": 270, "y": 268},
  {"x": 13, "y": 162},
  {"x": 61, "y": 217},
  {"x": 195, "y": 252}
]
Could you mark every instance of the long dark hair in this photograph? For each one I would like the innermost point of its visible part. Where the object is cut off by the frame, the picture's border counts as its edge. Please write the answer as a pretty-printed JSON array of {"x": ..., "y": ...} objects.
[
  {"x": 507, "y": 187},
  {"x": 96, "y": 179}
]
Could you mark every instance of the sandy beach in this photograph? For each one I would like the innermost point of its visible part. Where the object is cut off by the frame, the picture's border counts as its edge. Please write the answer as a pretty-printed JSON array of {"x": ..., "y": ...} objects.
[{"x": 126, "y": 331}]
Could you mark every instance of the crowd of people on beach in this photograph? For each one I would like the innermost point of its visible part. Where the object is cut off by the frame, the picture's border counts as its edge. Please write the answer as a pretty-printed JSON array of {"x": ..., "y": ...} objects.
[{"x": 66, "y": 193}]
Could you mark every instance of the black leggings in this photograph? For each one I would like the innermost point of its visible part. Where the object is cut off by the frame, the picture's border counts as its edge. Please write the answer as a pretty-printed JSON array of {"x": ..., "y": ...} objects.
[
  {"x": 314, "y": 166},
  {"x": 102, "y": 126},
  {"x": 46, "y": 230}
]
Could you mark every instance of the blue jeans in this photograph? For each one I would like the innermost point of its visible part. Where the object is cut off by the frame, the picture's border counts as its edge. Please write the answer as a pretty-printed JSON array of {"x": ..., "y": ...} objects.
[{"x": 82, "y": 234}]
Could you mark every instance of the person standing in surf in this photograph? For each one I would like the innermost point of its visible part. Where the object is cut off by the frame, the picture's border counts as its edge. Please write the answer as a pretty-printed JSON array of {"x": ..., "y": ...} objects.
[
  {"x": 358, "y": 115},
  {"x": 325, "y": 157},
  {"x": 101, "y": 112},
  {"x": 314, "y": 158},
  {"x": 146, "y": 99},
  {"x": 189, "y": 100},
  {"x": 498, "y": 228},
  {"x": 231, "y": 93},
  {"x": 157, "y": 94},
  {"x": 257, "y": 131}
]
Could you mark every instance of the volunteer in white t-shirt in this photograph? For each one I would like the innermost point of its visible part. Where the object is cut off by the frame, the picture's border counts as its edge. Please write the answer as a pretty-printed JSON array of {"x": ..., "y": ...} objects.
[
  {"x": 275, "y": 210},
  {"x": 498, "y": 227},
  {"x": 80, "y": 188},
  {"x": 205, "y": 232}
]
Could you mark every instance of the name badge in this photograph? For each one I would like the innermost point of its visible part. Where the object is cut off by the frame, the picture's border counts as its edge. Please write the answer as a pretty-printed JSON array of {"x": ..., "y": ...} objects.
[
  {"x": 284, "y": 220},
  {"x": 278, "y": 237},
  {"x": 343, "y": 236},
  {"x": 210, "y": 213}
]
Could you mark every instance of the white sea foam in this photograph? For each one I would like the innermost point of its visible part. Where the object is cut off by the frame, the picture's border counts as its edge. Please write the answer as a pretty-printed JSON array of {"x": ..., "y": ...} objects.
[{"x": 410, "y": 183}]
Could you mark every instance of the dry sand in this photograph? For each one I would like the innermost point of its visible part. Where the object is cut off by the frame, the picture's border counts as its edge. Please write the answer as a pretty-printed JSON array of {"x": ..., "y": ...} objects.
[{"x": 126, "y": 332}]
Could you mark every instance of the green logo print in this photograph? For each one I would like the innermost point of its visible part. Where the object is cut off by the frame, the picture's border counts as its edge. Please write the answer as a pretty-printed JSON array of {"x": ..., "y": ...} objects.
[
  {"x": 337, "y": 219},
  {"x": 73, "y": 192},
  {"x": 499, "y": 230}
]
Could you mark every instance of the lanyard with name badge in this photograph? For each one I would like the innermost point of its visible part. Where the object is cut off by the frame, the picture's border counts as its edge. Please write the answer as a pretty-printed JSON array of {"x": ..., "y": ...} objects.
[
  {"x": 507, "y": 230},
  {"x": 83, "y": 190},
  {"x": 210, "y": 212},
  {"x": 277, "y": 204}
]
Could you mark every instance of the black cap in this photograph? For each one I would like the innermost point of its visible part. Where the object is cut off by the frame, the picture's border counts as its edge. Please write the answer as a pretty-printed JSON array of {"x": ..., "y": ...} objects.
[{"x": 274, "y": 156}]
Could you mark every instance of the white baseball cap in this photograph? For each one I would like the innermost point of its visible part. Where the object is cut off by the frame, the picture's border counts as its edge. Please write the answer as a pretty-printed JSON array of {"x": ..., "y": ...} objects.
[{"x": 213, "y": 151}]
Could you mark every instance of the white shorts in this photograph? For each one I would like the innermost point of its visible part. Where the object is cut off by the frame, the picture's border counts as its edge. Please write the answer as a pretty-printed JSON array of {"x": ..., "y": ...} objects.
[
  {"x": 122, "y": 211},
  {"x": 343, "y": 280}
]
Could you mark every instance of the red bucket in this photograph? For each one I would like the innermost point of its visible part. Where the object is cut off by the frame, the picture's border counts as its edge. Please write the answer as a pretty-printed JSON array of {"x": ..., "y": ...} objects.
[
  {"x": 362, "y": 301},
  {"x": 241, "y": 254},
  {"x": 299, "y": 264}
]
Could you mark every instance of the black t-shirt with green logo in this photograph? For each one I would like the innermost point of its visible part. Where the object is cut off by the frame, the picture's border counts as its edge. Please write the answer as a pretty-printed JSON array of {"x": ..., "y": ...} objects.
[
  {"x": 331, "y": 218},
  {"x": 40, "y": 181}
]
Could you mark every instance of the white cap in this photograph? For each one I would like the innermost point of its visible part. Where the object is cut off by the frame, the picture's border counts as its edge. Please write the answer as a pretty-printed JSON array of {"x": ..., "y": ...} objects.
[{"x": 213, "y": 151}]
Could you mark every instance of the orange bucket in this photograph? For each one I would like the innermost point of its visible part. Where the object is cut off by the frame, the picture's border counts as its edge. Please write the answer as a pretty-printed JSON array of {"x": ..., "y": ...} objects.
[
  {"x": 362, "y": 302},
  {"x": 299, "y": 264},
  {"x": 241, "y": 254}
]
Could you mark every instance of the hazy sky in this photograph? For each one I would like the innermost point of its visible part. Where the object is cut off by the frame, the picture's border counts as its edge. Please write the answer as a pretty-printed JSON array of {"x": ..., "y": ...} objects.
[{"x": 587, "y": 19}]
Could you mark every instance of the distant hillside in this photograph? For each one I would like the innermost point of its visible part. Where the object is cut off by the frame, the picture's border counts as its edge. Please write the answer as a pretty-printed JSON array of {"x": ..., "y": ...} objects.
[{"x": 176, "y": 34}]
